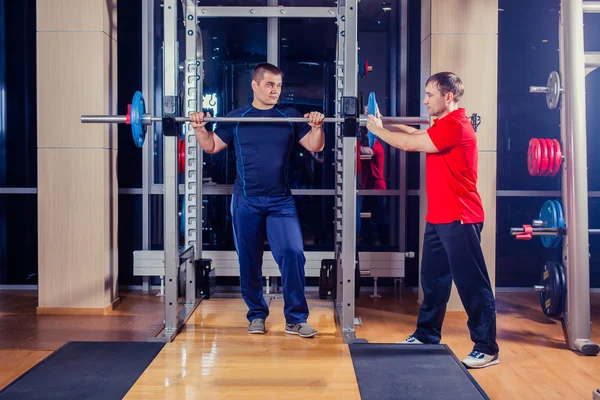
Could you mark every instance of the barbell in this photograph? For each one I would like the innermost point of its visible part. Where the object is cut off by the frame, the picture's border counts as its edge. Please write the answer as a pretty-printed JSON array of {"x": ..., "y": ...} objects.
[
  {"x": 139, "y": 119},
  {"x": 553, "y": 90},
  {"x": 550, "y": 226}
]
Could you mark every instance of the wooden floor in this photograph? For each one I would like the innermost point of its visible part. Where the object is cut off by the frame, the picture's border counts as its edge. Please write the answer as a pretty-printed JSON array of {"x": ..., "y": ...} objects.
[{"x": 214, "y": 357}]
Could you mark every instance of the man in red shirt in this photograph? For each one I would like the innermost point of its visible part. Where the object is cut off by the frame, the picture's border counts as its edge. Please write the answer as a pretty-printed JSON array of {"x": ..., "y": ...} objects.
[{"x": 452, "y": 241}]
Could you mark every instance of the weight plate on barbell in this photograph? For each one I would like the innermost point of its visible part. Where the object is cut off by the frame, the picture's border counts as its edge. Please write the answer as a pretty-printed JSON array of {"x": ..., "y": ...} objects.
[
  {"x": 551, "y": 296},
  {"x": 138, "y": 109},
  {"x": 550, "y": 220},
  {"x": 372, "y": 110},
  {"x": 554, "y": 89},
  {"x": 560, "y": 221},
  {"x": 181, "y": 156}
]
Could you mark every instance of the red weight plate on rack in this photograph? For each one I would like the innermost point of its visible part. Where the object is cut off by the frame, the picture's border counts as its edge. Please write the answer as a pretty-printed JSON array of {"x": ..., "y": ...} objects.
[
  {"x": 534, "y": 157},
  {"x": 545, "y": 160},
  {"x": 551, "y": 157},
  {"x": 558, "y": 156}
]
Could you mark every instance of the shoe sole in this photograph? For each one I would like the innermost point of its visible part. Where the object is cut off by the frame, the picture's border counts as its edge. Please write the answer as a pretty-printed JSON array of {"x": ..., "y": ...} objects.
[
  {"x": 304, "y": 336},
  {"x": 257, "y": 332},
  {"x": 482, "y": 366}
]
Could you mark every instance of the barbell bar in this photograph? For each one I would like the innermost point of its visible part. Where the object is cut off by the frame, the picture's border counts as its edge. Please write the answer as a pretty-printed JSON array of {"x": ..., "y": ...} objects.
[
  {"x": 545, "y": 231},
  {"x": 553, "y": 90},
  {"x": 550, "y": 226},
  {"x": 139, "y": 119},
  {"x": 147, "y": 119}
]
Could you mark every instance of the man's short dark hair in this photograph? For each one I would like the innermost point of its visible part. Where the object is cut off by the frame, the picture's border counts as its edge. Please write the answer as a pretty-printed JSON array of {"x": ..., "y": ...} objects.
[
  {"x": 448, "y": 82},
  {"x": 258, "y": 72}
]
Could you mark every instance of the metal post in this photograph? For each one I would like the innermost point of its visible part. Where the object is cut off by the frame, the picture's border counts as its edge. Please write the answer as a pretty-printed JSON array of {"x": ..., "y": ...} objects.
[
  {"x": 171, "y": 233},
  {"x": 349, "y": 43},
  {"x": 190, "y": 282},
  {"x": 577, "y": 314},
  {"x": 148, "y": 90},
  {"x": 272, "y": 58},
  {"x": 337, "y": 218},
  {"x": 403, "y": 112},
  {"x": 3, "y": 152},
  {"x": 273, "y": 37},
  {"x": 193, "y": 168}
]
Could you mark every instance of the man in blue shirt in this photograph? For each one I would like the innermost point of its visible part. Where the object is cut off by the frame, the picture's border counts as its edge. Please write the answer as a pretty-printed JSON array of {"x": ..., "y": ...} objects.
[{"x": 262, "y": 206}]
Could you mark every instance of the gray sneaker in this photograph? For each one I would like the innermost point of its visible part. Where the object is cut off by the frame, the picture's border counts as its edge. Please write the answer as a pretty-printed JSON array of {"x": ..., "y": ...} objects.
[
  {"x": 257, "y": 325},
  {"x": 303, "y": 329}
]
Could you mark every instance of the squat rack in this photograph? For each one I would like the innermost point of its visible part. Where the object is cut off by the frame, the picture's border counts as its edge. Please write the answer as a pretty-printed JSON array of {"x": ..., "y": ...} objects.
[{"x": 346, "y": 86}]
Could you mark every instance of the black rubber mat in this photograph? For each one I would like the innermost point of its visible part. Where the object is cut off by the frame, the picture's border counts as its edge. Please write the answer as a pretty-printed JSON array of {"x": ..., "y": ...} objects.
[
  {"x": 85, "y": 370},
  {"x": 401, "y": 371}
]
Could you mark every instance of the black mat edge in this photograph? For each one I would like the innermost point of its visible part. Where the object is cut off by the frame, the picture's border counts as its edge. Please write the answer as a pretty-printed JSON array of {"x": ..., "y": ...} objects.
[
  {"x": 460, "y": 364},
  {"x": 30, "y": 370},
  {"x": 466, "y": 371}
]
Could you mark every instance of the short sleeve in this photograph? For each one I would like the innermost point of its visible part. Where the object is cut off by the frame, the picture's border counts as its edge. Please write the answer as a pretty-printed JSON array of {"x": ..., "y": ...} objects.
[
  {"x": 446, "y": 134},
  {"x": 225, "y": 131},
  {"x": 300, "y": 128}
]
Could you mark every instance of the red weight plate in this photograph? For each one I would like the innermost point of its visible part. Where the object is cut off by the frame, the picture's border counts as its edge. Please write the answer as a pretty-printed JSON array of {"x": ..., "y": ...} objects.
[
  {"x": 534, "y": 157},
  {"x": 181, "y": 155},
  {"x": 551, "y": 157},
  {"x": 557, "y": 157},
  {"x": 545, "y": 160}
]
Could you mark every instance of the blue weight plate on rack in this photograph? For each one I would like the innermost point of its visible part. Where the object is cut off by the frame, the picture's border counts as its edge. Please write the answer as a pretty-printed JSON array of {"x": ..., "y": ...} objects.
[
  {"x": 138, "y": 130},
  {"x": 560, "y": 221},
  {"x": 372, "y": 110},
  {"x": 549, "y": 216}
]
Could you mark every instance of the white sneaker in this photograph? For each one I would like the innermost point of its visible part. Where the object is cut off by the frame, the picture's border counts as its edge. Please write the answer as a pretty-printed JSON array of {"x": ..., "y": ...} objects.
[
  {"x": 480, "y": 360},
  {"x": 411, "y": 340}
]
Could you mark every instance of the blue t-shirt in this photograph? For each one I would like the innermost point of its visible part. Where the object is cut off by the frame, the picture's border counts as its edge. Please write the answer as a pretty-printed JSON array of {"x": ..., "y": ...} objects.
[{"x": 262, "y": 150}]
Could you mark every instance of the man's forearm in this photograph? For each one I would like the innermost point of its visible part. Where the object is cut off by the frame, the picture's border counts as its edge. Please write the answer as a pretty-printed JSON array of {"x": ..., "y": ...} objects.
[
  {"x": 395, "y": 139},
  {"x": 316, "y": 139},
  {"x": 400, "y": 128},
  {"x": 206, "y": 141}
]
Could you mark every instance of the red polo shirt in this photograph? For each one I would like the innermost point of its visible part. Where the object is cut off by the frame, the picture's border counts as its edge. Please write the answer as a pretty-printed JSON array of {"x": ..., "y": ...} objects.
[{"x": 452, "y": 173}]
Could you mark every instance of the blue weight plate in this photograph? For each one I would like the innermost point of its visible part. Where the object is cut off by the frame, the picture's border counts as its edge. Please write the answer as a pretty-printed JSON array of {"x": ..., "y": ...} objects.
[
  {"x": 550, "y": 219},
  {"x": 372, "y": 110},
  {"x": 138, "y": 130},
  {"x": 560, "y": 221}
]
